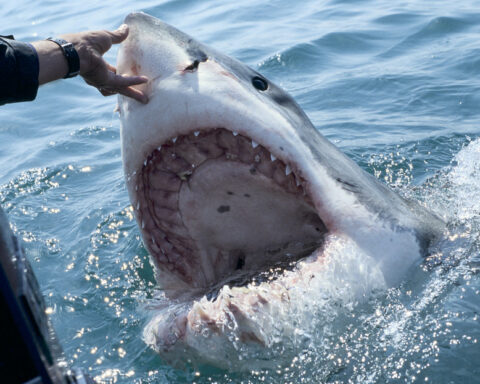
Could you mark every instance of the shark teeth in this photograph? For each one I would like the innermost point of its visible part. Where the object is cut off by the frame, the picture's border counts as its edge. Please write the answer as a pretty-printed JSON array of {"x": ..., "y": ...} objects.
[
  {"x": 288, "y": 170},
  {"x": 228, "y": 146}
]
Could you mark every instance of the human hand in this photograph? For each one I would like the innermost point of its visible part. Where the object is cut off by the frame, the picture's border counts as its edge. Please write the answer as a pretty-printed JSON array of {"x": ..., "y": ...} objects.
[{"x": 96, "y": 71}]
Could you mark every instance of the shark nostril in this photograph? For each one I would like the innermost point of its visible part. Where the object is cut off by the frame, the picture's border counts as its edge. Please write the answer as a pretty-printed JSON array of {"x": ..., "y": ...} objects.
[
  {"x": 192, "y": 67},
  {"x": 200, "y": 57}
]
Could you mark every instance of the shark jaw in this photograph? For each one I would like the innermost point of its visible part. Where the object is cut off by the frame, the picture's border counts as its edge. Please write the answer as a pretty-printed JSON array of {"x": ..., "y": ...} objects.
[{"x": 214, "y": 204}]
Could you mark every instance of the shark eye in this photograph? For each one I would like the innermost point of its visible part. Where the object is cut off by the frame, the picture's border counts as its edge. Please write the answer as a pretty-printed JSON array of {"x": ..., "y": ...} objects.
[{"x": 259, "y": 83}]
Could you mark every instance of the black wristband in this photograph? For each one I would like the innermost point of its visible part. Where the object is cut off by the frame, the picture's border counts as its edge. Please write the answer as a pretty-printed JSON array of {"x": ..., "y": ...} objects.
[{"x": 70, "y": 54}]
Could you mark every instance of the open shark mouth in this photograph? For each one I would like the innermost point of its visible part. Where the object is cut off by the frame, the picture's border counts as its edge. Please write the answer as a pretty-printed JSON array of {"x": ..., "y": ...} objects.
[{"x": 213, "y": 203}]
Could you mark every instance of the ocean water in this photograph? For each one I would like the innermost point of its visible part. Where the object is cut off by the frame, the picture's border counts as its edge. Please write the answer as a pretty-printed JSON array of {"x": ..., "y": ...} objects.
[{"x": 396, "y": 85}]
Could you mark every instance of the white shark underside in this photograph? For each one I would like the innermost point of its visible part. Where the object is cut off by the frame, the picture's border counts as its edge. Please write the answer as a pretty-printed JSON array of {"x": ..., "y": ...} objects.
[{"x": 228, "y": 177}]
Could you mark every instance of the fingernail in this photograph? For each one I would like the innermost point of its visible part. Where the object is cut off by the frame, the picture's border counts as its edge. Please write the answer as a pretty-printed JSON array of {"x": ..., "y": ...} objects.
[{"x": 122, "y": 28}]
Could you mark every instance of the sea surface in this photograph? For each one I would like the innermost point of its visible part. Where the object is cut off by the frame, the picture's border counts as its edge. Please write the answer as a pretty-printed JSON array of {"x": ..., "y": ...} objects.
[{"x": 394, "y": 84}]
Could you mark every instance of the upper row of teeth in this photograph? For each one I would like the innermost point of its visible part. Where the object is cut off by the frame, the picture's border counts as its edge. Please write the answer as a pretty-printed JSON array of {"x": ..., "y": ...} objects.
[
  {"x": 196, "y": 133},
  {"x": 288, "y": 169}
]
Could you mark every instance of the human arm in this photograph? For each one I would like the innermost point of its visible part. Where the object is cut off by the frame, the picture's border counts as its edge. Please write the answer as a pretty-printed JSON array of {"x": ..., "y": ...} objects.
[{"x": 23, "y": 66}]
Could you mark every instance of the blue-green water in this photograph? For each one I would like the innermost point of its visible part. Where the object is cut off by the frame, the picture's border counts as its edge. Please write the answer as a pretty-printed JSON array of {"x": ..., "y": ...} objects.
[{"x": 396, "y": 85}]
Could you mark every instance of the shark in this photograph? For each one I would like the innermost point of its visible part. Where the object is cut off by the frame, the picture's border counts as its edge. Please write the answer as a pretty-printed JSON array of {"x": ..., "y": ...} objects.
[{"x": 238, "y": 197}]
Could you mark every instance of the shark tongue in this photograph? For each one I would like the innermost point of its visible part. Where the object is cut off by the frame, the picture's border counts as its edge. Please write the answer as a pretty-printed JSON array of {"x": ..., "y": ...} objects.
[
  {"x": 213, "y": 203},
  {"x": 241, "y": 219}
]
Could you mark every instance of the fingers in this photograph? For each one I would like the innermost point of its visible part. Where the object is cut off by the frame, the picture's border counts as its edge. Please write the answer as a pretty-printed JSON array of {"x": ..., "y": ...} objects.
[
  {"x": 123, "y": 85},
  {"x": 134, "y": 94},
  {"x": 119, "y": 35},
  {"x": 119, "y": 81},
  {"x": 104, "y": 75},
  {"x": 128, "y": 91}
]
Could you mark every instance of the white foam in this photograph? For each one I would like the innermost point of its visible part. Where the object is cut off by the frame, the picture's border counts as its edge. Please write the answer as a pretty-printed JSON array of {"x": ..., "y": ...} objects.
[
  {"x": 455, "y": 190},
  {"x": 464, "y": 180},
  {"x": 299, "y": 307}
]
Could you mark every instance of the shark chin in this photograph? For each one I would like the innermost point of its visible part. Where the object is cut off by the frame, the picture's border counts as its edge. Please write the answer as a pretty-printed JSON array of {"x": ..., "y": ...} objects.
[{"x": 239, "y": 199}]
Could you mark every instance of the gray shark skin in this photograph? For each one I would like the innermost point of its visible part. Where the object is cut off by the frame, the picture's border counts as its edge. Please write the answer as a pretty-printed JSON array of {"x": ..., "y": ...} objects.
[{"x": 227, "y": 176}]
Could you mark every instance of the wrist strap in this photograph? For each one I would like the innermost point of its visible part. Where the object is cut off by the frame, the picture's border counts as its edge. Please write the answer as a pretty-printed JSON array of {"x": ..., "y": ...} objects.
[{"x": 70, "y": 54}]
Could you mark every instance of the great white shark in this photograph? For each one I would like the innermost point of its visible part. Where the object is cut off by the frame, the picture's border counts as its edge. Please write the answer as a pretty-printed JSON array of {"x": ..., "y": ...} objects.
[{"x": 228, "y": 178}]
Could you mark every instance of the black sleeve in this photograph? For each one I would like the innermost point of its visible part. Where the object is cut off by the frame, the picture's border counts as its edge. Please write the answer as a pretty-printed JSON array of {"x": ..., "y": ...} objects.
[{"x": 18, "y": 71}]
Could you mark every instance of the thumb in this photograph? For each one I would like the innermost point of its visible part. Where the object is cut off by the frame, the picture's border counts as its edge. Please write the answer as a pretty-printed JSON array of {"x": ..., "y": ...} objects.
[{"x": 120, "y": 34}]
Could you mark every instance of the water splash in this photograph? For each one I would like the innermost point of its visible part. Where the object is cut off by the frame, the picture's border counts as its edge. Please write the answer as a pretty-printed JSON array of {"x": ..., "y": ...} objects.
[{"x": 267, "y": 323}]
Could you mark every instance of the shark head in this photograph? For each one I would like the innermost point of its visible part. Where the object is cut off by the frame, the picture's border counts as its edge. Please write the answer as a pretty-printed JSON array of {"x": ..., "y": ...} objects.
[{"x": 227, "y": 175}]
